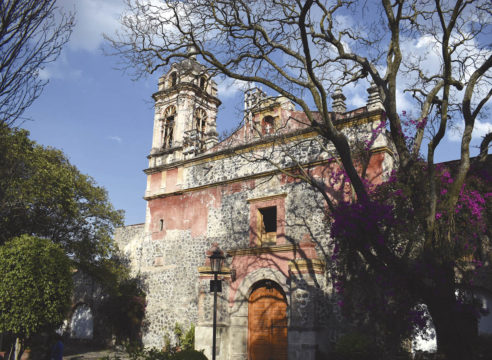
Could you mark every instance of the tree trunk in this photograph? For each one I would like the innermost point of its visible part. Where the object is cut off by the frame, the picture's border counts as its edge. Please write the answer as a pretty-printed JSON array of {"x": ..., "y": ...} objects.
[
  {"x": 18, "y": 349},
  {"x": 456, "y": 326},
  {"x": 11, "y": 351}
]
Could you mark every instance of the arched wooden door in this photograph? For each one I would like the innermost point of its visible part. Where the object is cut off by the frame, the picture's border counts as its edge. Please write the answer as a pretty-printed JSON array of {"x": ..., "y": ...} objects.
[{"x": 267, "y": 323}]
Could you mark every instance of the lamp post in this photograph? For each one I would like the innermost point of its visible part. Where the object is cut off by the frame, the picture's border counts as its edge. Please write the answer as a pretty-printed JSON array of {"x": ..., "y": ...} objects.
[{"x": 216, "y": 260}]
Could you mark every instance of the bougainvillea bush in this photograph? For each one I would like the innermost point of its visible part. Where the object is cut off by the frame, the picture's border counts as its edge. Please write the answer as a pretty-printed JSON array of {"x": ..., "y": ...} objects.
[{"x": 387, "y": 273}]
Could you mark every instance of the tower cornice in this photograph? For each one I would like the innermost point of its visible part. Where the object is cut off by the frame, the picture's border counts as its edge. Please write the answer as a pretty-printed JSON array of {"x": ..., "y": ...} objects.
[{"x": 166, "y": 93}]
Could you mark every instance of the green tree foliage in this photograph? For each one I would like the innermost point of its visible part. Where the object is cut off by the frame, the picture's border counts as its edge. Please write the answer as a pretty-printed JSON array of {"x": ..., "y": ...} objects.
[
  {"x": 183, "y": 348},
  {"x": 42, "y": 194},
  {"x": 35, "y": 289},
  {"x": 125, "y": 307},
  {"x": 355, "y": 346}
]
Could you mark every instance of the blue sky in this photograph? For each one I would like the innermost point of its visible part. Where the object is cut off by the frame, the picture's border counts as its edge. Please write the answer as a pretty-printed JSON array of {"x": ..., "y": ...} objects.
[
  {"x": 103, "y": 120},
  {"x": 99, "y": 116}
]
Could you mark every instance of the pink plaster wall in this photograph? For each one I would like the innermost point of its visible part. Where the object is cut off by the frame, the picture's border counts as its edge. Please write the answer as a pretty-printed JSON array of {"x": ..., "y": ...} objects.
[
  {"x": 183, "y": 212},
  {"x": 246, "y": 264}
]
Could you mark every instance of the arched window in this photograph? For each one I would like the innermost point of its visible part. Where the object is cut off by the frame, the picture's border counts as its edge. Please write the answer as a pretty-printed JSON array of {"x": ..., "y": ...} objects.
[
  {"x": 268, "y": 125},
  {"x": 200, "y": 126},
  {"x": 173, "y": 78},
  {"x": 168, "y": 127},
  {"x": 203, "y": 82}
]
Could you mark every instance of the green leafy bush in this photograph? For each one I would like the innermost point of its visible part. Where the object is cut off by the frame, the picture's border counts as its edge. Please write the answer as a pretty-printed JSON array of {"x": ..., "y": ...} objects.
[
  {"x": 356, "y": 346},
  {"x": 169, "y": 354},
  {"x": 35, "y": 287},
  {"x": 190, "y": 355},
  {"x": 183, "y": 349},
  {"x": 185, "y": 340}
]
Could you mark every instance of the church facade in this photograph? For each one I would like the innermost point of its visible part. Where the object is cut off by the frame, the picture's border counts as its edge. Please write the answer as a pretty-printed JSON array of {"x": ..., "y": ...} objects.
[{"x": 246, "y": 194}]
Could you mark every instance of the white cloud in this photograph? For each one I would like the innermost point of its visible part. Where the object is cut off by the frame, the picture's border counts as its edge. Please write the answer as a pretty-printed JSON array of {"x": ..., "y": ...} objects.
[
  {"x": 56, "y": 72},
  {"x": 60, "y": 69},
  {"x": 455, "y": 133},
  {"x": 115, "y": 138},
  {"x": 93, "y": 18},
  {"x": 357, "y": 100},
  {"x": 404, "y": 102},
  {"x": 44, "y": 74},
  {"x": 228, "y": 88},
  {"x": 356, "y": 94},
  {"x": 344, "y": 21},
  {"x": 481, "y": 128}
]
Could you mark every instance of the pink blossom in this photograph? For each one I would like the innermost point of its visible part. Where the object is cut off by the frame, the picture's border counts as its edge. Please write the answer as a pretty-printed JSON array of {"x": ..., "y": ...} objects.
[{"x": 398, "y": 192}]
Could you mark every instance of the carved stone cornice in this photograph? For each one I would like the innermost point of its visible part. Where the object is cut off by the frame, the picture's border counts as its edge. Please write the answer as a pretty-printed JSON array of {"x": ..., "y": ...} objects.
[
  {"x": 206, "y": 271},
  {"x": 263, "y": 250},
  {"x": 266, "y": 198},
  {"x": 301, "y": 266}
]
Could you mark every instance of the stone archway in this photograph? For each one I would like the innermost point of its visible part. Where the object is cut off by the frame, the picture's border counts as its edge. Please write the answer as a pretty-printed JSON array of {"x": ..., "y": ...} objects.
[
  {"x": 238, "y": 341},
  {"x": 267, "y": 322}
]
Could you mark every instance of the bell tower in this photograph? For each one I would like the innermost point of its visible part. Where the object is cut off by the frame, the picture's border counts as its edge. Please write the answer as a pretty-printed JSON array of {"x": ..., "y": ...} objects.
[{"x": 185, "y": 114}]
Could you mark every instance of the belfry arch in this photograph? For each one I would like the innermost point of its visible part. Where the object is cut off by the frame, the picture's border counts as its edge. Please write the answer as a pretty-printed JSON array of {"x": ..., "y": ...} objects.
[
  {"x": 200, "y": 126},
  {"x": 167, "y": 129}
]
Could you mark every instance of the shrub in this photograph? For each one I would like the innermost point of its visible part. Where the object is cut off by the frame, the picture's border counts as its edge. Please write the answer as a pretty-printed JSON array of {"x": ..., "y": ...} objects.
[
  {"x": 356, "y": 346},
  {"x": 190, "y": 355}
]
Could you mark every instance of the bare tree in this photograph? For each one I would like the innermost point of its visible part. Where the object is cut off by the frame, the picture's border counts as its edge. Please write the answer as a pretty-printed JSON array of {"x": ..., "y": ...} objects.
[
  {"x": 305, "y": 49},
  {"x": 32, "y": 34}
]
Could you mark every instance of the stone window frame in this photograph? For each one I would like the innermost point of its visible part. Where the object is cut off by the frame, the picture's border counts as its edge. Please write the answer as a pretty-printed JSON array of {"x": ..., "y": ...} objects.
[
  {"x": 266, "y": 219},
  {"x": 268, "y": 125},
  {"x": 255, "y": 205}
]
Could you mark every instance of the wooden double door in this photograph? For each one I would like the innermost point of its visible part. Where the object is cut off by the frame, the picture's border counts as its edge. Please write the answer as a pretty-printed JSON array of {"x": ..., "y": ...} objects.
[{"x": 267, "y": 323}]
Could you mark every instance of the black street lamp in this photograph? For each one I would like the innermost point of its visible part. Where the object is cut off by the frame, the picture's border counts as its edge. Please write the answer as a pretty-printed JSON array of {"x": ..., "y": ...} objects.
[{"x": 216, "y": 260}]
